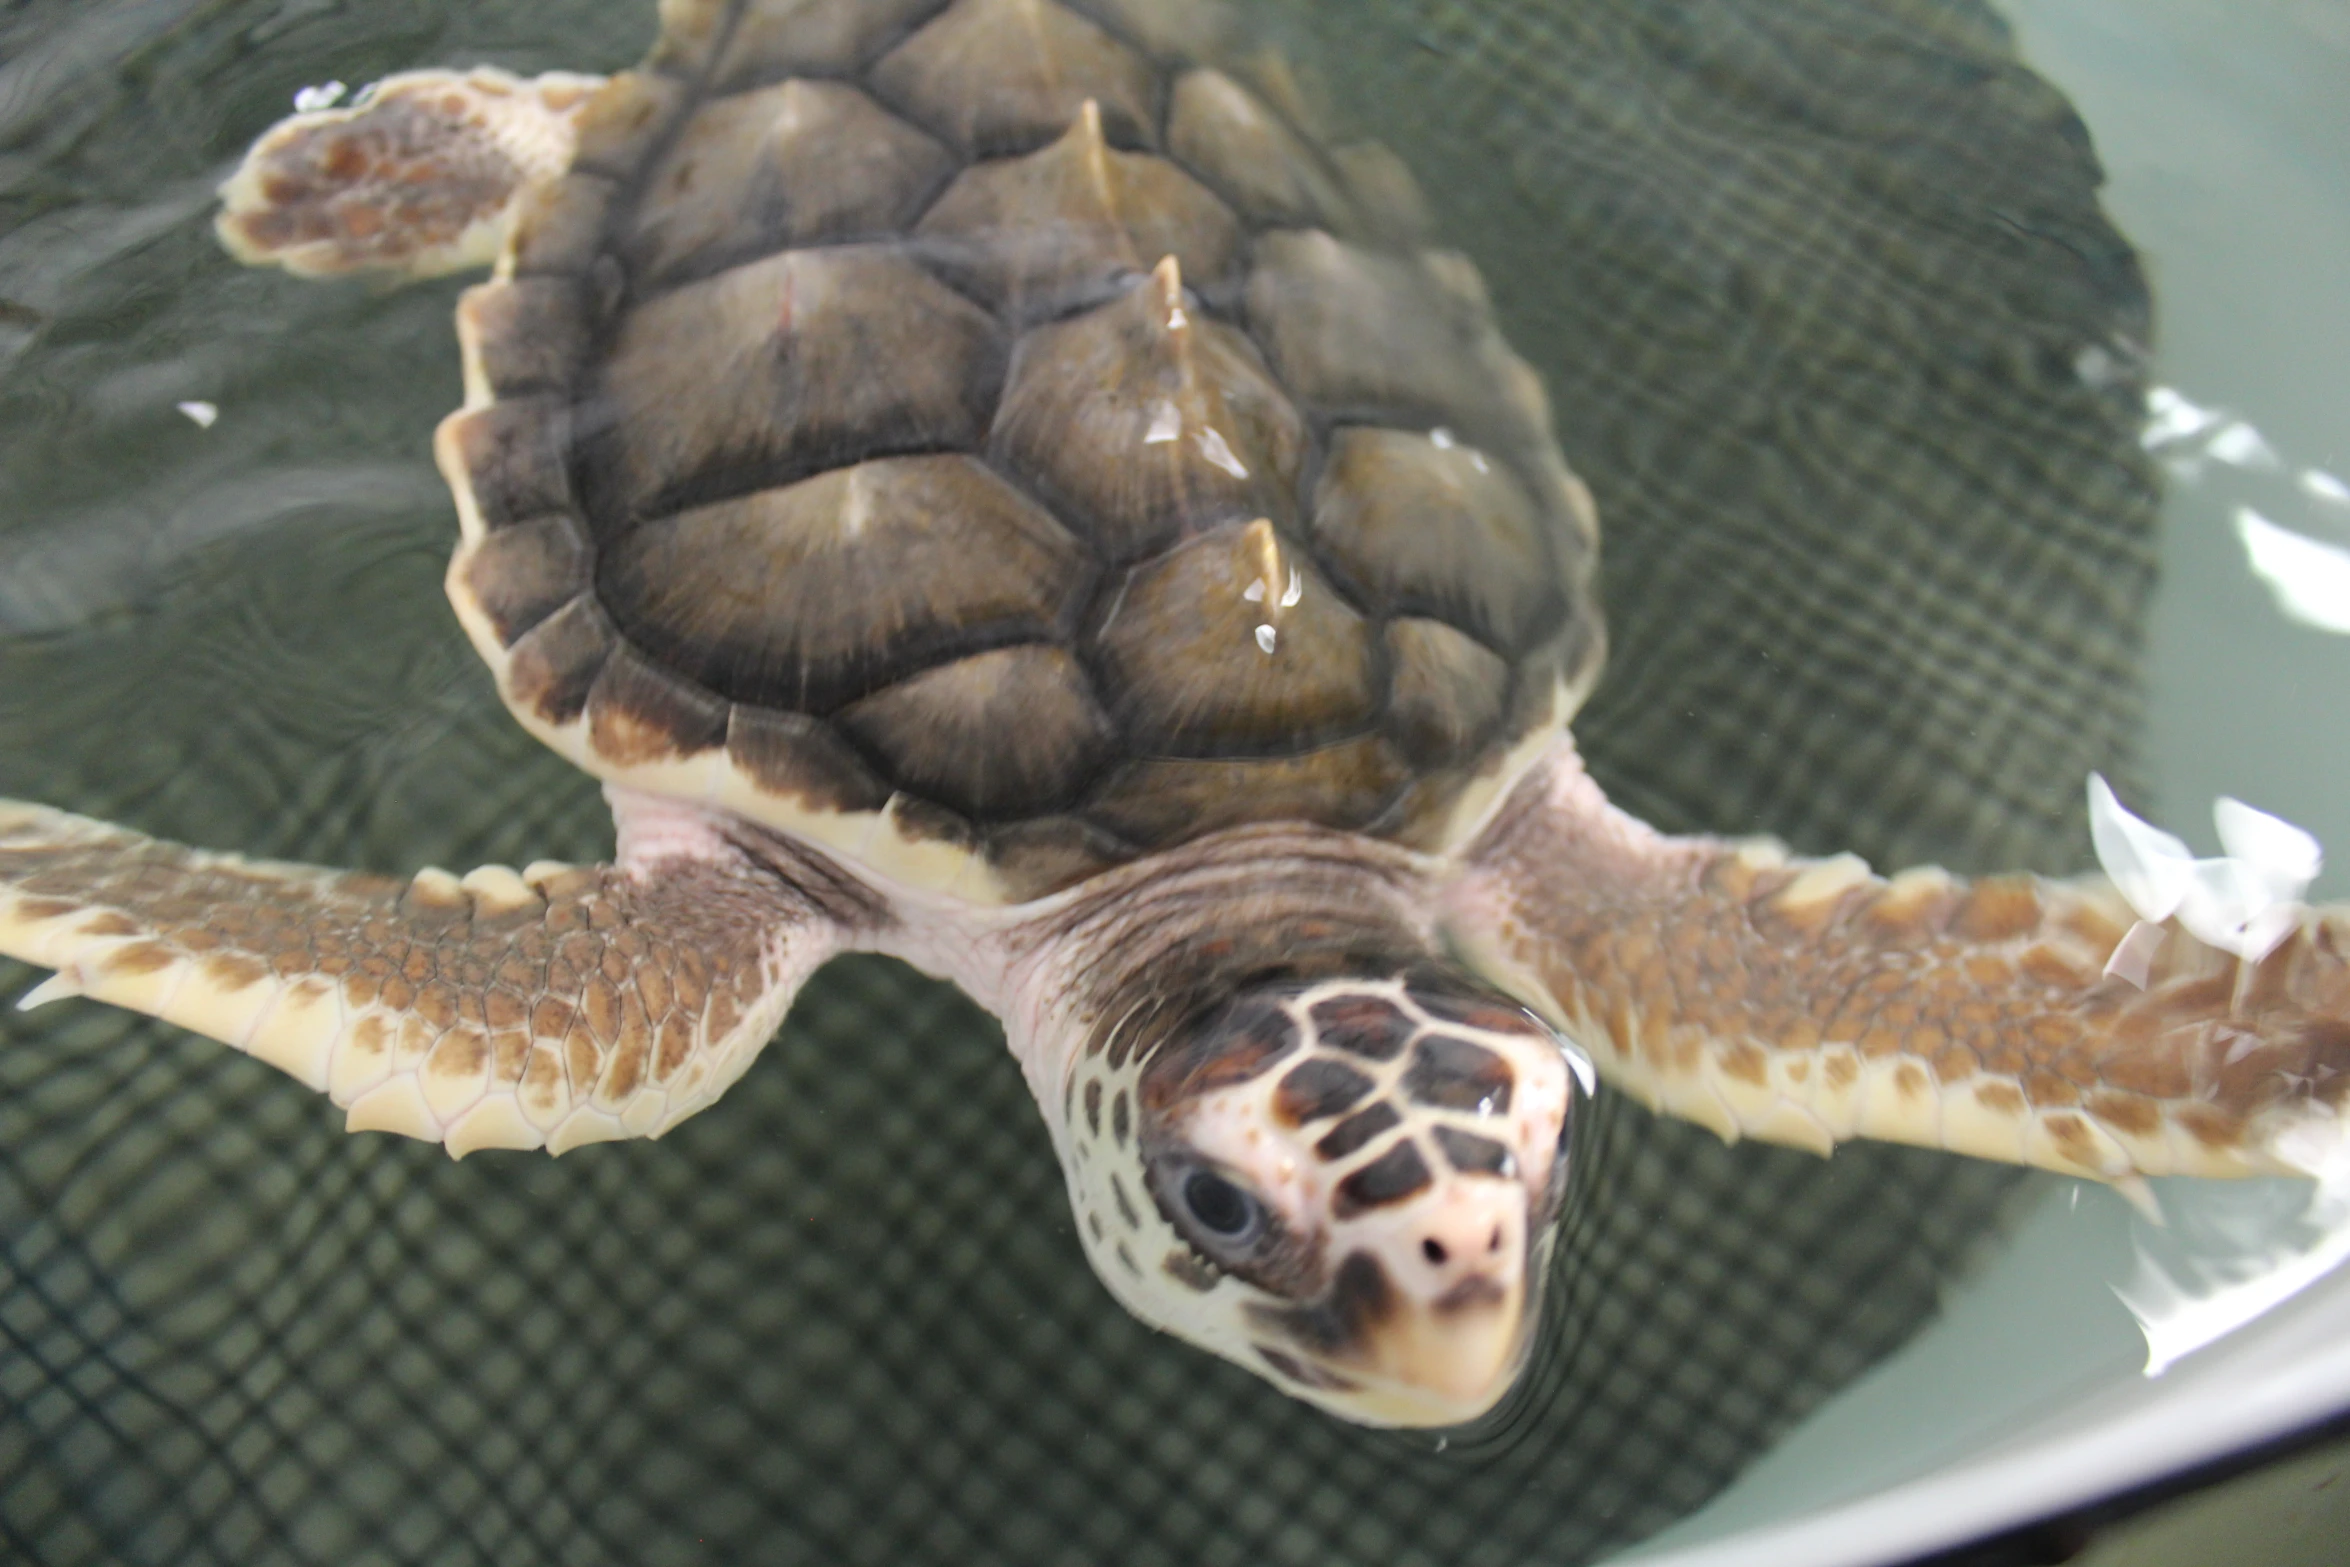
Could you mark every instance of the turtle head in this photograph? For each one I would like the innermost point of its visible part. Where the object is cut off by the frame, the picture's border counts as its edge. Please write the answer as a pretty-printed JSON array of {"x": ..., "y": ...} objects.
[{"x": 1346, "y": 1186}]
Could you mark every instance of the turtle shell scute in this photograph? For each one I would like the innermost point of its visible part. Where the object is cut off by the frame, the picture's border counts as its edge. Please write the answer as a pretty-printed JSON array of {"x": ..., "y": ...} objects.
[
  {"x": 1008, "y": 435},
  {"x": 992, "y": 77},
  {"x": 797, "y": 164},
  {"x": 1142, "y": 426},
  {"x": 813, "y": 595}
]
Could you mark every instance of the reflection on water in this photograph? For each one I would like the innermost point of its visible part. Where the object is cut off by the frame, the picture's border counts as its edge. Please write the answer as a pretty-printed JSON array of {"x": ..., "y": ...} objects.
[
  {"x": 1812, "y": 302},
  {"x": 2214, "y": 1257}
]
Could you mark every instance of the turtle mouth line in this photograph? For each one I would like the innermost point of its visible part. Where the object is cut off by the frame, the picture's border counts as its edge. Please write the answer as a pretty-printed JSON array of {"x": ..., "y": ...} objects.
[
  {"x": 1439, "y": 1362},
  {"x": 1469, "y": 1294}
]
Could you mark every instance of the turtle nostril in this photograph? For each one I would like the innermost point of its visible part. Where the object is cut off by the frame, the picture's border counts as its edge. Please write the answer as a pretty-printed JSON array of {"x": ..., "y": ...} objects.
[{"x": 1433, "y": 1250}]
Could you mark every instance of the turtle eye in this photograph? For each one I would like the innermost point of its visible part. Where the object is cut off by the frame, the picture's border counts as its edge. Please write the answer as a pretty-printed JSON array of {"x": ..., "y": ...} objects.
[{"x": 1221, "y": 1208}]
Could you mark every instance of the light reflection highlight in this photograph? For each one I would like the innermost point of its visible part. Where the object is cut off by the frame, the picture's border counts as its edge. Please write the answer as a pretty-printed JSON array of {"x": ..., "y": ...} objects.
[
  {"x": 2309, "y": 578},
  {"x": 2244, "y": 901},
  {"x": 2217, "y": 1254},
  {"x": 2224, "y": 1253}
]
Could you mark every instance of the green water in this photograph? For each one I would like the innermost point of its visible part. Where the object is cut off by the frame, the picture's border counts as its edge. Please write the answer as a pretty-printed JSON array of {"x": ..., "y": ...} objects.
[{"x": 1809, "y": 284}]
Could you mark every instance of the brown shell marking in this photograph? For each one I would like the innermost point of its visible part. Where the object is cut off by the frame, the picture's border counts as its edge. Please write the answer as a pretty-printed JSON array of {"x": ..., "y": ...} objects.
[
  {"x": 797, "y": 164},
  {"x": 1205, "y": 435},
  {"x": 1003, "y": 76},
  {"x": 1076, "y": 219},
  {"x": 966, "y": 453},
  {"x": 1275, "y": 660},
  {"x": 811, "y": 596},
  {"x": 805, "y": 361}
]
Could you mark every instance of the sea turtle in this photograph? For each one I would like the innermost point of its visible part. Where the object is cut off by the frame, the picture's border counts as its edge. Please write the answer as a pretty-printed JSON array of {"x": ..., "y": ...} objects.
[{"x": 987, "y": 481}]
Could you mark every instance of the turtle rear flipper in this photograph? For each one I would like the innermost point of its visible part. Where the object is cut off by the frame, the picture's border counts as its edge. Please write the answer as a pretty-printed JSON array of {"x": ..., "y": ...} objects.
[
  {"x": 550, "y": 1007},
  {"x": 421, "y": 175},
  {"x": 1809, "y": 1001}
]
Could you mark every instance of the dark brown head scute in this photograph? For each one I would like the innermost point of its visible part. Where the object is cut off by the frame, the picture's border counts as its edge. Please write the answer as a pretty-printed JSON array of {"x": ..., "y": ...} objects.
[
  {"x": 1245, "y": 1040},
  {"x": 1011, "y": 408},
  {"x": 1363, "y": 1026},
  {"x": 1318, "y": 1089},
  {"x": 1478, "y": 1012},
  {"x": 1453, "y": 1074},
  {"x": 1393, "y": 1176},
  {"x": 1474, "y": 1155},
  {"x": 1357, "y": 1131}
]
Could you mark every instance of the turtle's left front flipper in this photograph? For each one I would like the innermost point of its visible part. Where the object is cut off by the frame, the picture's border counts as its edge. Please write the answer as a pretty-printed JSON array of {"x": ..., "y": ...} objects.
[
  {"x": 1808, "y": 1002},
  {"x": 422, "y": 175},
  {"x": 547, "y": 1008}
]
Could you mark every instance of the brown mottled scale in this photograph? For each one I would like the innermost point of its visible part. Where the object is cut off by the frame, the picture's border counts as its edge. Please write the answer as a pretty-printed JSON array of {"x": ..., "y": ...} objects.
[{"x": 1009, "y": 420}]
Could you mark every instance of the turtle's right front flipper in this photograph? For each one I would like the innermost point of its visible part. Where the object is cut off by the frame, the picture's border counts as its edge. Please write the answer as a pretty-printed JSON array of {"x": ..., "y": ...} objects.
[
  {"x": 547, "y": 1008},
  {"x": 421, "y": 176}
]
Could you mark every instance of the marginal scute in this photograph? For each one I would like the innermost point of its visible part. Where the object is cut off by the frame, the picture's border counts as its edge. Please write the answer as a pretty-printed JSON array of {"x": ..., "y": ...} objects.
[
  {"x": 1234, "y": 643},
  {"x": 998, "y": 76},
  {"x": 1385, "y": 192},
  {"x": 1567, "y": 662},
  {"x": 1251, "y": 158},
  {"x": 1038, "y": 857},
  {"x": 1169, "y": 29},
  {"x": 1427, "y": 524},
  {"x": 621, "y": 118},
  {"x": 1164, "y": 801},
  {"x": 520, "y": 575},
  {"x": 1012, "y": 731},
  {"x": 1073, "y": 222},
  {"x": 789, "y": 366},
  {"x": 813, "y": 595},
  {"x": 1357, "y": 333},
  {"x": 1269, "y": 73},
  {"x": 552, "y": 668},
  {"x": 690, "y": 31},
  {"x": 1446, "y": 691},
  {"x": 1143, "y": 421},
  {"x": 559, "y": 226},
  {"x": 800, "y": 761},
  {"x": 526, "y": 335},
  {"x": 801, "y": 163},
  {"x": 512, "y": 458},
  {"x": 638, "y": 712}
]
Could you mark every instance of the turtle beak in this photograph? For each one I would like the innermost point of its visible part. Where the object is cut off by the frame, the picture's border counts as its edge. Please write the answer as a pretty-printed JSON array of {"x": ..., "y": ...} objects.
[
  {"x": 1426, "y": 1321},
  {"x": 1451, "y": 1359}
]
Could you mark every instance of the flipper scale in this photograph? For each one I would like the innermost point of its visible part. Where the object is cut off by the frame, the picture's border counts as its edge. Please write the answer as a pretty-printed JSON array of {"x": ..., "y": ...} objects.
[
  {"x": 1808, "y": 1002},
  {"x": 420, "y": 176},
  {"x": 503, "y": 1009}
]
